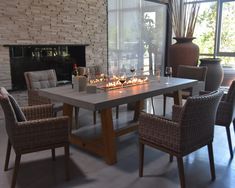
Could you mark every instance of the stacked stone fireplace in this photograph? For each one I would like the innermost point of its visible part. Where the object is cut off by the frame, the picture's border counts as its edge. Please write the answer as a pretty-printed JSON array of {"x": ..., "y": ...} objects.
[{"x": 49, "y": 22}]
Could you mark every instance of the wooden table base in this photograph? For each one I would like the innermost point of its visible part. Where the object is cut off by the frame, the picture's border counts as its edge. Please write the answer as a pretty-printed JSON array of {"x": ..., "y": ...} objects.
[{"x": 105, "y": 145}]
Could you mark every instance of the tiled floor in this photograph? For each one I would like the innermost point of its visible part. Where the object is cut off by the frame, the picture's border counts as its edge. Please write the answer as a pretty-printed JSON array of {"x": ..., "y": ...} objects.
[{"x": 87, "y": 171}]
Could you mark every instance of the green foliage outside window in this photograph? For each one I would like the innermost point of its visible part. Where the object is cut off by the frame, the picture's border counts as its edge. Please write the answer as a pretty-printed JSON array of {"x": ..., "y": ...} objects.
[{"x": 206, "y": 28}]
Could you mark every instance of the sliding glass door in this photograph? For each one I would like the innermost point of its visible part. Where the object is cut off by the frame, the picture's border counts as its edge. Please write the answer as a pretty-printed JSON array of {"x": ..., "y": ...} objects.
[{"x": 136, "y": 36}]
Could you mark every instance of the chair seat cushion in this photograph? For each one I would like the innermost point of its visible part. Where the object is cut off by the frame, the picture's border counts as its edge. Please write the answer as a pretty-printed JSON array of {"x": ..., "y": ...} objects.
[{"x": 17, "y": 110}]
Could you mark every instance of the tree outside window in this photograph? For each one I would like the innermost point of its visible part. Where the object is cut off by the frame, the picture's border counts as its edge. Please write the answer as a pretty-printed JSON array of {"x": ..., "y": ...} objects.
[{"x": 209, "y": 24}]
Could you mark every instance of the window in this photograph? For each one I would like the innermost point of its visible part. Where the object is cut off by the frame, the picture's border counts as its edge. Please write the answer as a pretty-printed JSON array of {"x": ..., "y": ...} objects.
[
  {"x": 214, "y": 31},
  {"x": 227, "y": 35},
  {"x": 136, "y": 35},
  {"x": 205, "y": 28}
]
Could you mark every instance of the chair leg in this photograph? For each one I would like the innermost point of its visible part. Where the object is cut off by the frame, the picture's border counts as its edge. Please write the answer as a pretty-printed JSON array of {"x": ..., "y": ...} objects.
[
  {"x": 66, "y": 151},
  {"x": 16, "y": 169},
  {"x": 53, "y": 154},
  {"x": 171, "y": 158},
  {"x": 76, "y": 117},
  {"x": 117, "y": 112},
  {"x": 7, "y": 155},
  {"x": 94, "y": 117},
  {"x": 152, "y": 105},
  {"x": 164, "y": 105},
  {"x": 229, "y": 141},
  {"x": 211, "y": 158},
  {"x": 181, "y": 171},
  {"x": 141, "y": 159}
]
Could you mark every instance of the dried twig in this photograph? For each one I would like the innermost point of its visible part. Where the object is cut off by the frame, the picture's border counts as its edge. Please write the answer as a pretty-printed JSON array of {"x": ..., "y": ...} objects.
[{"x": 184, "y": 19}]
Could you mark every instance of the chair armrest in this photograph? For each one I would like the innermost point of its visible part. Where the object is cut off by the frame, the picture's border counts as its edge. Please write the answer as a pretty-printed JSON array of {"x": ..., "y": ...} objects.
[
  {"x": 202, "y": 92},
  {"x": 200, "y": 86},
  {"x": 159, "y": 130},
  {"x": 224, "y": 113},
  {"x": 44, "y": 132},
  {"x": 38, "y": 111},
  {"x": 176, "y": 112}
]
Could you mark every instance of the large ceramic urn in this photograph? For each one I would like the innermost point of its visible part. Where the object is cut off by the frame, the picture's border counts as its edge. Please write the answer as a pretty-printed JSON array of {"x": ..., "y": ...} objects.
[
  {"x": 183, "y": 52},
  {"x": 215, "y": 73}
]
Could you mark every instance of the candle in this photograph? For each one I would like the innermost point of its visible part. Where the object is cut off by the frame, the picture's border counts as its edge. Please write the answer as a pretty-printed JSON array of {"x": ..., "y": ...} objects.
[{"x": 80, "y": 83}]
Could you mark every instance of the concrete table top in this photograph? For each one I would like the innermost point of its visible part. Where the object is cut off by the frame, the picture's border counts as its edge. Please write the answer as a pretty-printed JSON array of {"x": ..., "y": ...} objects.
[{"x": 107, "y": 99}]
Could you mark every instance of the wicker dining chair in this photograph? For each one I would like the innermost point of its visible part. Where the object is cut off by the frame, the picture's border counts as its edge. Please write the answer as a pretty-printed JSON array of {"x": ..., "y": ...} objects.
[
  {"x": 191, "y": 127},
  {"x": 32, "y": 129},
  {"x": 36, "y": 80},
  {"x": 225, "y": 113},
  {"x": 189, "y": 72}
]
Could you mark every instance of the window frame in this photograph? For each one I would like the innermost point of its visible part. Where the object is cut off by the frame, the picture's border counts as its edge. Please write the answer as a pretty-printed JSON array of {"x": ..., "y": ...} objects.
[
  {"x": 218, "y": 29},
  {"x": 119, "y": 33}
]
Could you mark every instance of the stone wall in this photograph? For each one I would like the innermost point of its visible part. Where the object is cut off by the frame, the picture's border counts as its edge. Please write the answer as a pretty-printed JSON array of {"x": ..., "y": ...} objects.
[{"x": 53, "y": 22}]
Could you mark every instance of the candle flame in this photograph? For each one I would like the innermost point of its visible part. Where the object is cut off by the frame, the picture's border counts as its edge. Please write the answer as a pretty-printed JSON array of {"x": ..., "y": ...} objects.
[{"x": 114, "y": 83}]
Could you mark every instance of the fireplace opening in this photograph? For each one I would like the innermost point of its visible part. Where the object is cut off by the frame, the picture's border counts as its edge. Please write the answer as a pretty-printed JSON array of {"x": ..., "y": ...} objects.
[{"x": 25, "y": 58}]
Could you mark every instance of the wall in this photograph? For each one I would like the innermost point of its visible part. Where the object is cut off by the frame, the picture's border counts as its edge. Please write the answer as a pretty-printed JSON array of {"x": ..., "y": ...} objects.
[{"x": 53, "y": 22}]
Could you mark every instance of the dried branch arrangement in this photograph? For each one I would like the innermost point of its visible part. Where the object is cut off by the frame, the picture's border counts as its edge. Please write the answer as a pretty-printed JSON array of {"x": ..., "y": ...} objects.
[{"x": 184, "y": 15}]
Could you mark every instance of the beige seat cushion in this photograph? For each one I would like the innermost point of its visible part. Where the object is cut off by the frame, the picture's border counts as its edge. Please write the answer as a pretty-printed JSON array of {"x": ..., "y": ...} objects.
[{"x": 16, "y": 108}]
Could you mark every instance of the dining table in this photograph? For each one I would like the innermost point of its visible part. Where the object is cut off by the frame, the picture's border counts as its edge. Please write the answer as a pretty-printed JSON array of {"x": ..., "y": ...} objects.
[{"x": 104, "y": 100}]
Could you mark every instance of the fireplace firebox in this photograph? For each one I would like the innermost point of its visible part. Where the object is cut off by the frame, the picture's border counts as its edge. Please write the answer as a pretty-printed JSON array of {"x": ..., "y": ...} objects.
[{"x": 60, "y": 57}]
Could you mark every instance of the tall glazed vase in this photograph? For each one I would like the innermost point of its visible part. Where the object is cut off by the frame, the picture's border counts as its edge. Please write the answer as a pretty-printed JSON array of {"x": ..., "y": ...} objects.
[{"x": 183, "y": 52}]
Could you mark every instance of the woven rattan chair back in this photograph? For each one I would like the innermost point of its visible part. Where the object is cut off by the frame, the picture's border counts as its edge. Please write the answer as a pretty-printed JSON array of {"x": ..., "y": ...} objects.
[
  {"x": 189, "y": 72},
  {"x": 198, "y": 119},
  {"x": 192, "y": 72}
]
